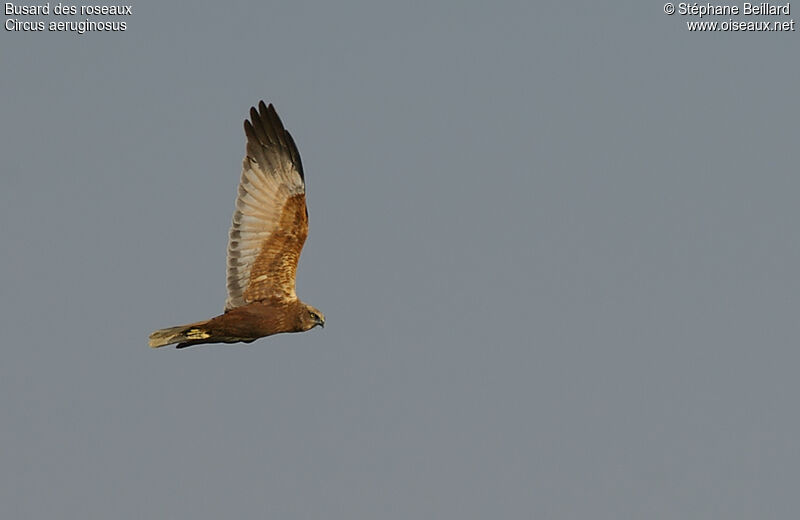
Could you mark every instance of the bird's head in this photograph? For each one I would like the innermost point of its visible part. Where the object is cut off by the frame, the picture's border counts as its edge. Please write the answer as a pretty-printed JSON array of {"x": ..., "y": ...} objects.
[{"x": 311, "y": 317}]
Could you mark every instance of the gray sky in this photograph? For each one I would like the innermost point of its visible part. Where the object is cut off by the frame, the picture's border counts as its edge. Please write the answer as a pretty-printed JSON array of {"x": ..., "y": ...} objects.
[{"x": 556, "y": 245}]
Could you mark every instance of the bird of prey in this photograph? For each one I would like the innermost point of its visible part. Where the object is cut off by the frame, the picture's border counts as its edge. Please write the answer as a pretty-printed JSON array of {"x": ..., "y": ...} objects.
[{"x": 270, "y": 226}]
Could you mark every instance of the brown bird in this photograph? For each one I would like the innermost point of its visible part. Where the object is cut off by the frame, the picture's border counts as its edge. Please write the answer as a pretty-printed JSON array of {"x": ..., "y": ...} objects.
[{"x": 270, "y": 226}]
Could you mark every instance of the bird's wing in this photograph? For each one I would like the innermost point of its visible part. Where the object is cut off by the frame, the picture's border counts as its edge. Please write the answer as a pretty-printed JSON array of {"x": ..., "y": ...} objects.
[{"x": 270, "y": 223}]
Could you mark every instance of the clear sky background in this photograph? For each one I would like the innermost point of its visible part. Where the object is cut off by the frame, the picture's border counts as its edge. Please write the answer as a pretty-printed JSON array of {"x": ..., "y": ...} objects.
[{"x": 556, "y": 245}]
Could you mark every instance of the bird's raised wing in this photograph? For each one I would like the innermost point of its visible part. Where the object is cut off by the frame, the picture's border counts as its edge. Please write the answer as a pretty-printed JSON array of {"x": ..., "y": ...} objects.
[{"x": 270, "y": 224}]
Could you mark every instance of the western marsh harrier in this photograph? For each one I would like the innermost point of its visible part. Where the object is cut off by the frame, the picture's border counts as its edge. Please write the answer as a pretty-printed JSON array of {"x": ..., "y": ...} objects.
[{"x": 270, "y": 225}]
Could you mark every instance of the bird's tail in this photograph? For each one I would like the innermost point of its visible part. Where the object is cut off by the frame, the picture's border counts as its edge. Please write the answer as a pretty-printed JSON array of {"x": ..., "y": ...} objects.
[{"x": 192, "y": 333}]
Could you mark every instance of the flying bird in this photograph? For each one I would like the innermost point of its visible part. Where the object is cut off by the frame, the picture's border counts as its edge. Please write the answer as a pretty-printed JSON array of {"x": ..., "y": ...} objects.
[{"x": 270, "y": 226}]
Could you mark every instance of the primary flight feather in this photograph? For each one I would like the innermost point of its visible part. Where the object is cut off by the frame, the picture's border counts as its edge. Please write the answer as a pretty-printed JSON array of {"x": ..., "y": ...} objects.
[{"x": 270, "y": 226}]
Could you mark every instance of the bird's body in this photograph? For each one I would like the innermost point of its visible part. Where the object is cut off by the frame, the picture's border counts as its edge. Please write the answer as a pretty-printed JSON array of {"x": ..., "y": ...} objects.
[
  {"x": 270, "y": 226},
  {"x": 242, "y": 324}
]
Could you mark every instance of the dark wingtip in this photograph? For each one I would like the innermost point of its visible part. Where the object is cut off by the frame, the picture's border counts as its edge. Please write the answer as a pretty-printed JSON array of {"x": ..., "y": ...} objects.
[
  {"x": 254, "y": 117},
  {"x": 266, "y": 128},
  {"x": 248, "y": 129},
  {"x": 295, "y": 155}
]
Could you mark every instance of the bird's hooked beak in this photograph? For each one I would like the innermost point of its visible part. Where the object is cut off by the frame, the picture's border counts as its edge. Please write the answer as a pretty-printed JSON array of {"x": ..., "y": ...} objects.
[{"x": 321, "y": 321}]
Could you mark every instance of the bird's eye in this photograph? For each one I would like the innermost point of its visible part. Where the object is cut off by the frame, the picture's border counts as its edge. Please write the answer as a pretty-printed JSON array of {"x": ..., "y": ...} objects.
[{"x": 314, "y": 316}]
